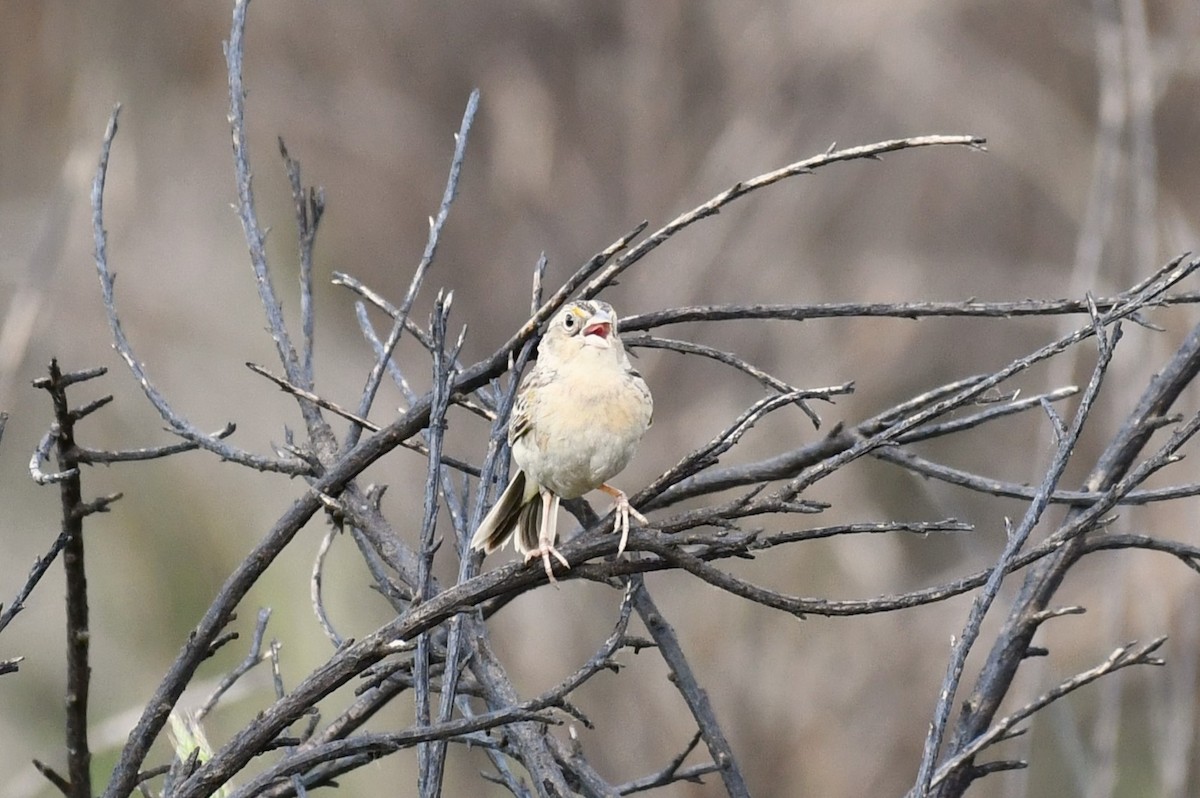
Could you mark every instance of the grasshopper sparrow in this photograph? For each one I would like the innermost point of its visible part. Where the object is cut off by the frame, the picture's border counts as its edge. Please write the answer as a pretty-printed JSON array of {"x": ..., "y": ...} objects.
[{"x": 579, "y": 415}]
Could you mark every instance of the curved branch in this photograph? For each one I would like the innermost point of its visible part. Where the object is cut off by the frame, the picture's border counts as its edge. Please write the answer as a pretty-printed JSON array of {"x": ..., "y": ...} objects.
[
  {"x": 744, "y": 187},
  {"x": 178, "y": 424}
]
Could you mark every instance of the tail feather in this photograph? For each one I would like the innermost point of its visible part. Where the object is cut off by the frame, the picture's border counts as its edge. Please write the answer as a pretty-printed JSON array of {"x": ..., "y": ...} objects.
[
  {"x": 501, "y": 521},
  {"x": 529, "y": 524}
]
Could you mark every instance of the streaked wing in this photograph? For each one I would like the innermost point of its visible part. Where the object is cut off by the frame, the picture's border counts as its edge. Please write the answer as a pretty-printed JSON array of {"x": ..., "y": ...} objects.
[{"x": 521, "y": 420}]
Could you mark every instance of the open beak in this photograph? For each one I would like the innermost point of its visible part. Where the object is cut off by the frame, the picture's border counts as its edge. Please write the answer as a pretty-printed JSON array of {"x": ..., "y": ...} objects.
[{"x": 598, "y": 331}]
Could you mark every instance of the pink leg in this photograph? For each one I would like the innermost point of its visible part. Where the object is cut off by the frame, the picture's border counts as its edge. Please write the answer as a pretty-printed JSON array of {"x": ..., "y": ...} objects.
[
  {"x": 623, "y": 512},
  {"x": 547, "y": 535}
]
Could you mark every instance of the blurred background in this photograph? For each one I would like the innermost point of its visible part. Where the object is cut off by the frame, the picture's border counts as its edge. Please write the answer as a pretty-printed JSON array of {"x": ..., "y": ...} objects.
[{"x": 595, "y": 116}]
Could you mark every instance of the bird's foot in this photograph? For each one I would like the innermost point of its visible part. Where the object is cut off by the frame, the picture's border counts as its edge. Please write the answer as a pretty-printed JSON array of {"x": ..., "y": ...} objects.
[
  {"x": 624, "y": 510},
  {"x": 544, "y": 551}
]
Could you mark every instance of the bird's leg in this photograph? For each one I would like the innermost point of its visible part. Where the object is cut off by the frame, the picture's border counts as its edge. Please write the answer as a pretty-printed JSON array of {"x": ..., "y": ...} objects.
[
  {"x": 547, "y": 534},
  {"x": 623, "y": 513}
]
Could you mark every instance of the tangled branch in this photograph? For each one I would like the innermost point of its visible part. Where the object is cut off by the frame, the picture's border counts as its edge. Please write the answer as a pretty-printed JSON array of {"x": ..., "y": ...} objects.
[{"x": 707, "y": 514}]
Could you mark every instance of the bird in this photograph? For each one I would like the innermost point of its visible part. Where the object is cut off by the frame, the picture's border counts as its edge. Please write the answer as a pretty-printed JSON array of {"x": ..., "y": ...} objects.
[{"x": 579, "y": 416}]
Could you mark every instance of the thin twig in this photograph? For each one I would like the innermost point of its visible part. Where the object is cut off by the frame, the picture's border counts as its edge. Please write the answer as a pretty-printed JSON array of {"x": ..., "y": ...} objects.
[
  {"x": 307, "y": 395},
  {"x": 1186, "y": 553},
  {"x": 247, "y": 213},
  {"x": 1016, "y": 541},
  {"x": 708, "y": 454},
  {"x": 435, "y": 231},
  {"x": 54, "y": 778},
  {"x": 253, "y": 657},
  {"x": 741, "y": 188},
  {"x": 40, "y": 566},
  {"x": 309, "y": 207},
  {"x": 178, "y": 424},
  {"x": 429, "y": 776},
  {"x": 673, "y": 772},
  {"x": 887, "y": 310},
  {"x": 379, "y": 301},
  {"x": 951, "y": 525},
  {"x": 478, "y": 402},
  {"x": 1012, "y": 490},
  {"x": 337, "y": 409},
  {"x": 1123, "y": 657},
  {"x": 995, "y": 410},
  {"x": 315, "y": 582},
  {"x": 728, "y": 358},
  {"x": 95, "y": 456}
]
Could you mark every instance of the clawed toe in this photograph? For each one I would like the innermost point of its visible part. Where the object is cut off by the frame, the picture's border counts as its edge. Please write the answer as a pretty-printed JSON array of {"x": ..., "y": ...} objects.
[
  {"x": 544, "y": 552},
  {"x": 624, "y": 510}
]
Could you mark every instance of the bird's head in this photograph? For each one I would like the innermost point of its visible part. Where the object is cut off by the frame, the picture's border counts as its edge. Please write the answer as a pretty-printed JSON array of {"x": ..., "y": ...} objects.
[{"x": 579, "y": 326}]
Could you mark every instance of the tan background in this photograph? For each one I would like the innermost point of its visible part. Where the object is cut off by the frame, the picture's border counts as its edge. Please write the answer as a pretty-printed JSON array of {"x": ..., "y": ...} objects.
[{"x": 596, "y": 116}]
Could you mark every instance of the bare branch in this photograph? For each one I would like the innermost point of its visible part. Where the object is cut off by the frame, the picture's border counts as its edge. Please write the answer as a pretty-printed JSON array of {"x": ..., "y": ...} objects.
[
  {"x": 1016, "y": 541},
  {"x": 887, "y": 310},
  {"x": 247, "y": 213},
  {"x": 429, "y": 780},
  {"x": 1114, "y": 472},
  {"x": 695, "y": 696},
  {"x": 741, "y": 188},
  {"x": 253, "y": 657},
  {"x": 995, "y": 487},
  {"x": 1130, "y": 654},
  {"x": 1187, "y": 554},
  {"x": 94, "y": 456},
  {"x": 337, "y": 409},
  {"x": 435, "y": 230},
  {"x": 316, "y": 581},
  {"x": 673, "y": 772},
  {"x": 40, "y": 566},
  {"x": 998, "y": 409},
  {"x": 178, "y": 425},
  {"x": 309, "y": 207},
  {"x": 728, "y": 358}
]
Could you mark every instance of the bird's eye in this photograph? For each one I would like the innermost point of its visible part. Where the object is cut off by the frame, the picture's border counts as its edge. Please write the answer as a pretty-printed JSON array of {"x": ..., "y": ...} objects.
[{"x": 569, "y": 322}]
